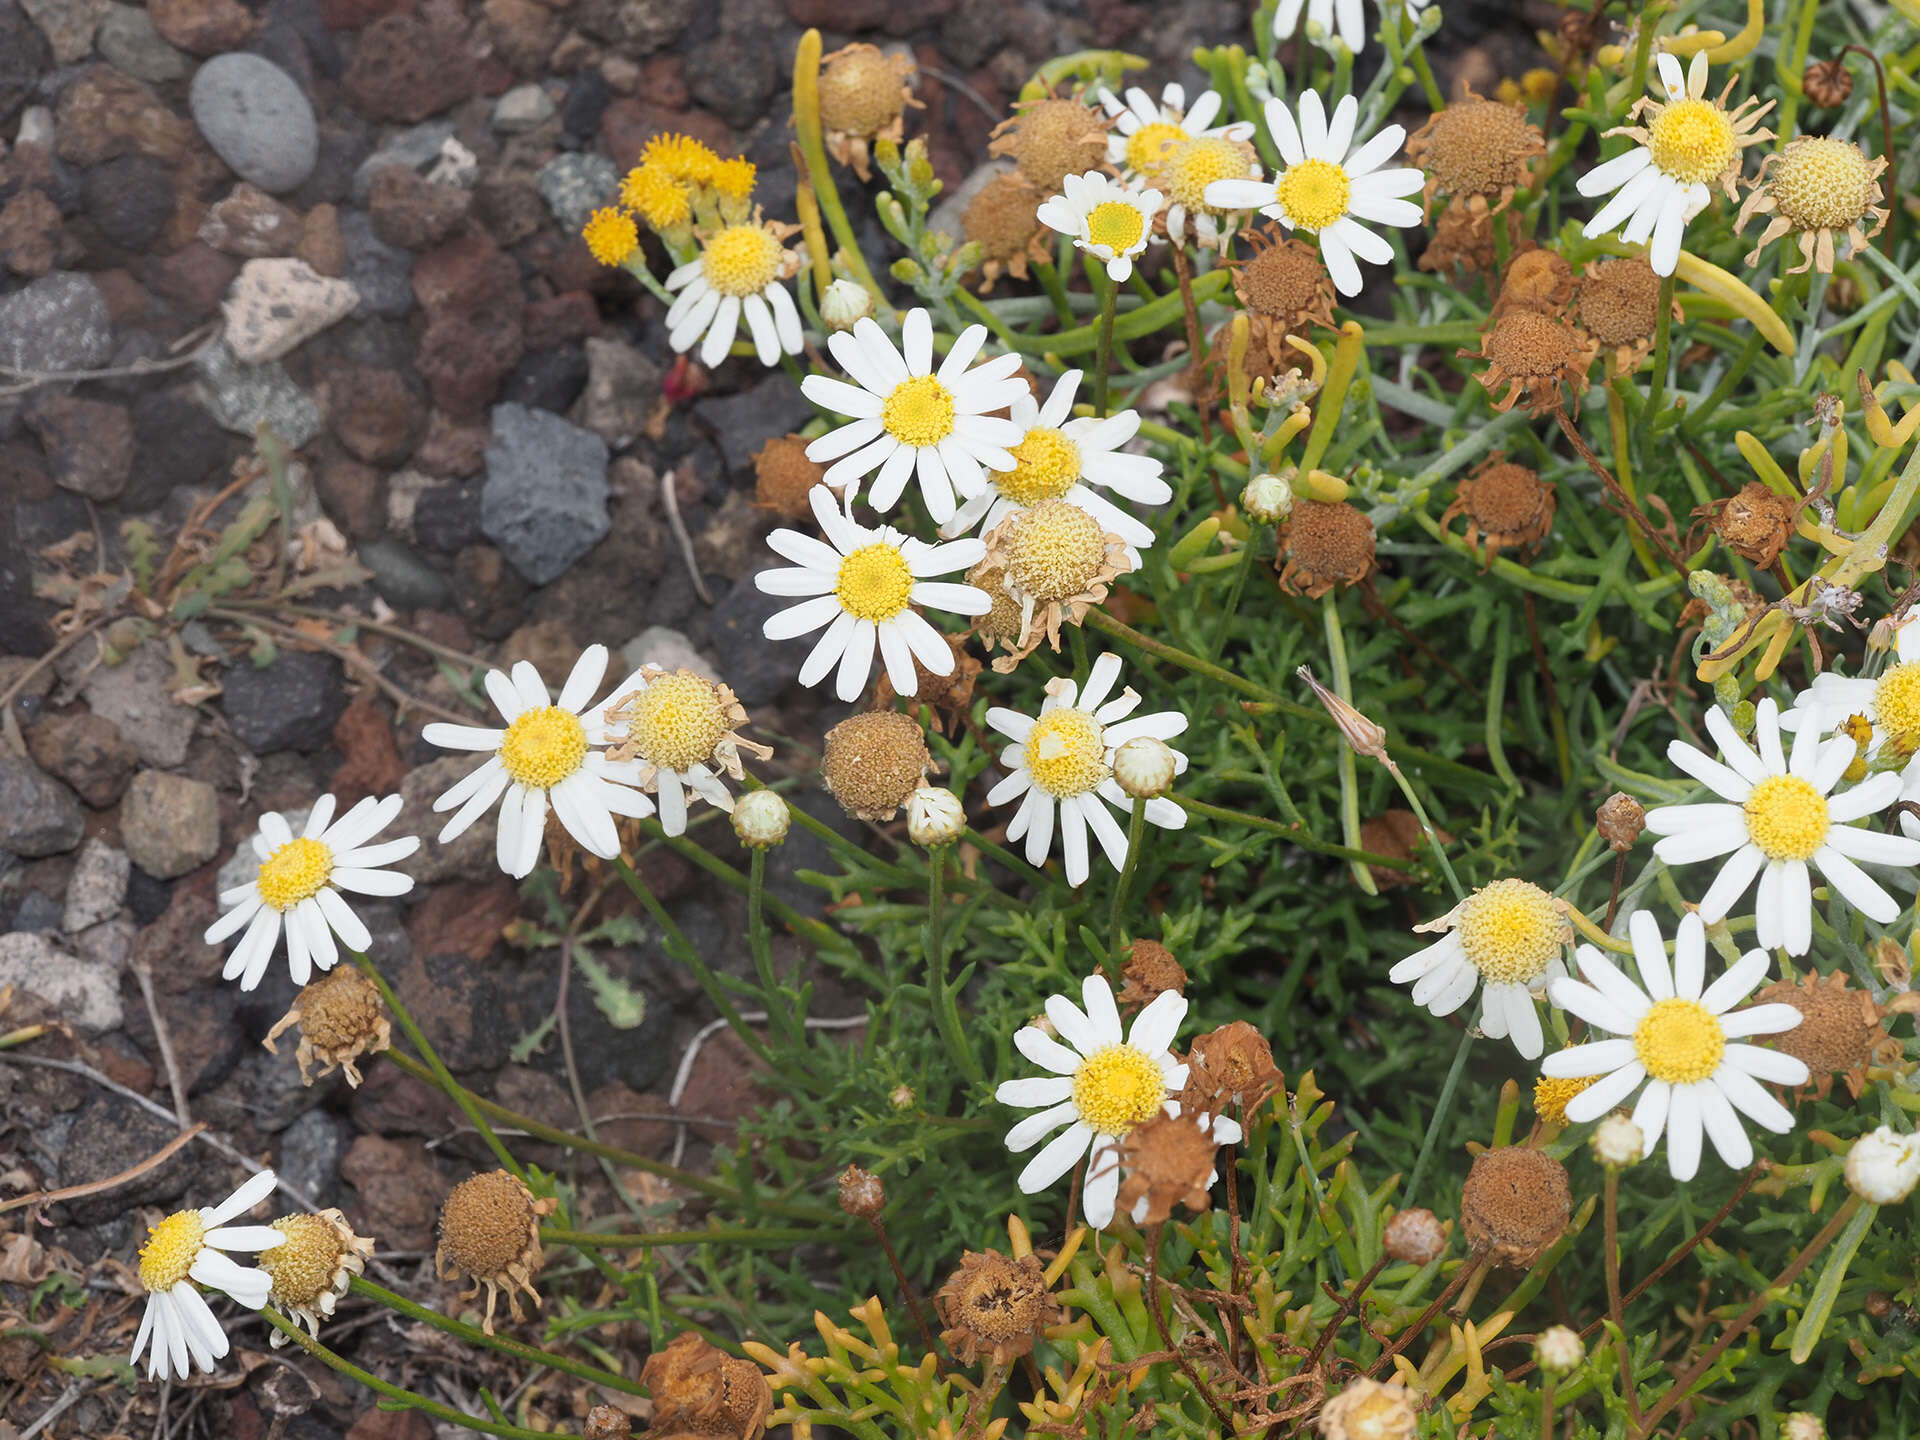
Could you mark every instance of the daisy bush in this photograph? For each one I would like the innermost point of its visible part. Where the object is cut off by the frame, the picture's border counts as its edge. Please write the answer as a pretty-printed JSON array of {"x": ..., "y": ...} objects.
[{"x": 1365, "y": 633}]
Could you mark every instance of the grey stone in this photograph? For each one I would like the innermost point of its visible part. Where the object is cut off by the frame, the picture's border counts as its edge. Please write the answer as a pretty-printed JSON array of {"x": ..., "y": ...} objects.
[
  {"x": 470, "y": 854},
  {"x": 634, "y": 27},
  {"x": 742, "y": 423},
  {"x": 37, "y": 912},
  {"x": 59, "y": 322},
  {"x": 623, "y": 386},
  {"x": 128, "y": 41},
  {"x": 523, "y": 108},
  {"x": 311, "y": 1149},
  {"x": 84, "y": 993},
  {"x": 382, "y": 273},
  {"x": 576, "y": 183},
  {"x": 545, "y": 498},
  {"x": 277, "y": 305},
  {"x": 68, "y": 25},
  {"x": 109, "y": 1131},
  {"x": 242, "y": 397},
  {"x": 24, "y": 58},
  {"x": 271, "y": 1089},
  {"x": 758, "y": 669},
  {"x": 134, "y": 696},
  {"x": 417, "y": 149},
  {"x": 170, "y": 824},
  {"x": 98, "y": 886},
  {"x": 401, "y": 577},
  {"x": 669, "y": 649},
  {"x": 38, "y": 815},
  {"x": 257, "y": 119},
  {"x": 288, "y": 704}
]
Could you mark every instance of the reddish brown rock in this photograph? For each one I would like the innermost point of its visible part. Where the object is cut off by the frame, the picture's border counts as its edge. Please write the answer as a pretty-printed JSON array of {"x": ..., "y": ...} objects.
[
  {"x": 722, "y": 1087},
  {"x": 89, "y": 443},
  {"x": 625, "y": 1117},
  {"x": 88, "y": 752},
  {"x": 463, "y": 917},
  {"x": 104, "y": 114},
  {"x": 30, "y": 234},
  {"x": 127, "y": 299},
  {"x": 398, "y": 1191},
  {"x": 843, "y": 15},
  {"x": 663, "y": 80},
  {"x": 630, "y": 122},
  {"x": 354, "y": 14},
  {"x": 406, "y": 70},
  {"x": 321, "y": 244},
  {"x": 466, "y": 272},
  {"x": 201, "y": 27},
  {"x": 464, "y": 358},
  {"x": 523, "y": 33},
  {"x": 409, "y": 212},
  {"x": 454, "y": 449},
  {"x": 373, "y": 414},
  {"x": 561, "y": 320},
  {"x": 373, "y": 765},
  {"x": 252, "y": 224},
  {"x": 352, "y": 494},
  {"x": 195, "y": 277}
]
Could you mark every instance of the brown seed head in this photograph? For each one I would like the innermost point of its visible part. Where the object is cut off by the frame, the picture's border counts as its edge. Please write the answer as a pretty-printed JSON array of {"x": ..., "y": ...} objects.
[
  {"x": 1151, "y": 970},
  {"x": 701, "y": 1390},
  {"x": 783, "y": 477},
  {"x": 1002, "y": 623},
  {"x": 1476, "y": 148},
  {"x": 1001, "y": 219},
  {"x": 1516, "y": 1202},
  {"x": 1327, "y": 544},
  {"x": 1169, "y": 1161},
  {"x": 1368, "y": 1410},
  {"x": 1539, "y": 280},
  {"x": 1508, "y": 506},
  {"x": 874, "y": 761},
  {"x": 1534, "y": 355},
  {"x": 1756, "y": 523},
  {"x": 606, "y": 1423},
  {"x": 996, "y": 1306},
  {"x": 1397, "y": 834},
  {"x": 1284, "y": 281},
  {"x": 861, "y": 1193},
  {"x": 1619, "y": 301},
  {"x": 1840, "y": 1030},
  {"x": 490, "y": 1228},
  {"x": 1828, "y": 83},
  {"x": 341, "y": 1018},
  {"x": 1229, "y": 1066},
  {"x": 1578, "y": 34},
  {"x": 1414, "y": 1237},
  {"x": 1051, "y": 139},
  {"x": 1620, "y": 819},
  {"x": 860, "y": 91}
]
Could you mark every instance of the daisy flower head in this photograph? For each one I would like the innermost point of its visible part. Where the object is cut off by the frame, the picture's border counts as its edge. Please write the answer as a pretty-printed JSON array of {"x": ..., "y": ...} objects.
[
  {"x": 682, "y": 729},
  {"x": 1777, "y": 815},
  {"x": 1100, "y": 1086},
  {"x": 862, "y": 584},
  {"x": 1681, "y": 1037},
  {"x": 1061, "y": 458},
  {"x": 1110, "y": 220},
  {"x": 1062, "y": 760},
  {"x": 1143, "y": 130},
  {"x": 189, "y": 1249},
  {"x": 549, "y": 755},
  {"x": 1325, "y": 18},
  {"x": 298, "y": 888},
  {"x": 1505, "y": 940},
  {"x": 1688, "y": 145},
  {"x": 1330, "y": 185},
  {"x": 738, "y": 273},
  {"x": 1889, "y": 702},
  {"x": 1816, "y": 187},
  {"x": 910, "y": 419}
]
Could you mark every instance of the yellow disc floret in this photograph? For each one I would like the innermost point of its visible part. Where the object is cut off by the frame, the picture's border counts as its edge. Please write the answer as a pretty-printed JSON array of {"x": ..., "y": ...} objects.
[
  {"x": 1896, "y": 704},
  {"x": 296, "y": 871},
  {"x": 543, "y": 747},
  {"x": 1787, "y": 818},
  {"x": 1067, "y": 752},
  {"x": 1118, "y": 1087},
  {"x": 1191, "y": 165},
  {"x": 919, "y": 412},
  {"x": 1551, "y": 1094},
  {"x": 656, "y": 197},
  {"x": 302, "y": 1265},
  {"x": 742, "y": 260},
  {"x": 1822, "y": 183},
  {"x": 1116, "y": 225},
  {"x": 1679, "y": 1041},
  {"x": 172, "y": 1247},
  {"x": 1046, "y": 466},
  {"x": 1511, "y": 931},
  {"x": 1692, "y": 140},
  {"x": 681, "y": 157},
  {"x": 734, "y": 178},
  {"x": 874, "y": 582},
  {"x": 611, "y": 236},
  {"x": 1056, "y": 550},
  {"x": 677, "y": 721},
  {"x": 1314, "y": 194},
  {"x": 1149, "y": 143}
]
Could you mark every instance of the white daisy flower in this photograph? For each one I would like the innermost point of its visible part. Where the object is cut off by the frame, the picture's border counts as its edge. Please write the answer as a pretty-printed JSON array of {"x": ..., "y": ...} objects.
[
  {"x": 1324, "y": 18},
  {"x": 737, "y": 274},
  {"x": 1099, "y": 1089},
  {"x": 1109, "y": 220},
  {"x": 1057, "y": 457},
  {"x": 1143, "y": 131},
  {"x": 1682, "y": 1040},
  {"x": 1505, "y": 940},
  {"x": 190, "y": 1246},
  {"x": 299, "y": 885},
  {"x": 862, "y": 585},
  {"x": 1064, "y": 760},
  {"x": 549, "y": 754},
  {"x": 909, "y": 417},
  {"x": 1776, "y": 816},
  {"x": 1889, "y": 702},
  {"x": 1330, "y": 185},
  {"x": 683, "y": 729},
  {"x": 1688, "y": 145}
]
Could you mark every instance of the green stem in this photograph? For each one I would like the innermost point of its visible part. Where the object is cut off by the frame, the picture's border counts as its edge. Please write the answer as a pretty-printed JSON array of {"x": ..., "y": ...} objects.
[
  {"x": 1435, "y": 1125},
  {"x": 1137, "y": 323},
  {"x": 946, "y": 1017},
  {"x": 1136, "y": 829},
  {"x": 1349, "y": 770},
  {"x": 1426, "y": 826},
  {"x": 1049, "y": 279},
  {"x": 805, "y": 925},
  {"x": 1452, "y": 332},
  {"x": 1109, "y": 297},
  {"x": 1253, "y": 550},
  {"x": 813, "y": 150}
]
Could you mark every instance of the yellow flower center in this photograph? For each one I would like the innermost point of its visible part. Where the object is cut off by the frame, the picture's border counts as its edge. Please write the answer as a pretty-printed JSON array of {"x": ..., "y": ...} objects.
[
  {"x": 543, "y": 747},
  {"x": 1067, "y": 752},
  {"x": 303, "y": 1264},
  {"x": 1149, "y": 143},
  {"x": 1047, "y": 465},
  {"x": 919, "y": 412},
  {"x": 656, "y": 196},
  {"x": 1679, "y": 1041},
  {"x": 294, "y": 872},
  {"x": 1192, "y": 165},
  {"x": 1822, "y": 183},
  {"x": 1896, "y": 704},
  {"x": 1118, "y": 1088},
  {"x": 1116, "y": 225},
  {"x": 874, "y": 582},
  {"x": 1511, "y": 931},
  {"x": 1315, "y": 194},
  {"x": 1550, "y": 1097},
  {"x": 172, "y": 1247},
  {"x": 1055, "y": 550},
  {"x": 1692, "y": 140},
  {"x": 1787, "y": 818},
  {"x": 611, "y": 236},
  {"x": 742, "y": 260},
  {"x": 677, "y": 721}
]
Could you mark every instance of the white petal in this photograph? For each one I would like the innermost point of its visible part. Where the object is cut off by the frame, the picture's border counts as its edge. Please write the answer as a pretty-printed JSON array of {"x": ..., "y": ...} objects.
[{"x": 1056, "y": 1159}]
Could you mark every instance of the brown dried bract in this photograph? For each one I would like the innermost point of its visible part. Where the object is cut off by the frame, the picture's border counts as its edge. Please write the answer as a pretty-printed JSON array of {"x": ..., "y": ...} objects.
[
  {"x": 1396, "y": 834},
  {"x": 1540, "y": 280},
  {"x": 1464, "y": 237},
  {"x": 1516, "y": 1202},
  {"x": 861, "y": 1193},
  {"x": 1150, "y": 972},
  {"x": 1003, "y": 220},
  {"x": 1169, "y": 1161},
  {"x": 1507, "y": 505},
  {"x": 701, "y": 1390},
  {"x": 874, "y": 761},
  {"x": 1618, "y": 304},
  {"x": 1535, "y": 356},
  {"x": 1477, "y": 151},
  {"x": 1052, "y": 138},
  {"x": 1828, "y": 83},
  {"x": 996, "y": 1306},
  {"x": 783, "y": 477},
  {"x": 1620, "y": 820},
  {"x": 863, "y": 98},
  {"x": 490, "y": 1228},
  {"x": 1756, "y": 524},
  {"x": 1325, "y": 544},
  {"x": 1840, "y": 1031},
  {"x": 1283, "y": 282},
  {"x": 1232, "y": 1065},
  {"x": 1414, "y": 1237},
  {"x": 340, "y": 1018}
]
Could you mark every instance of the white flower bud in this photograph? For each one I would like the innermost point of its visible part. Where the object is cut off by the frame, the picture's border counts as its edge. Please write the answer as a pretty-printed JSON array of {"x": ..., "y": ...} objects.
[
  {"x": 1144, "y": 767},
  {"x": 935, "y": 816},
  {"x": 1883, "y": 1166},
  {"x": 1618, "y": 1142},
  {"x": 760, "y": 819},
  {"x": 845, "y": 304},
  {"x": 1558, "y": 1351},
  {"x": 1802, "y": 1426},
  {"x": 902, "y": 1097},
  {"x": 1268, "y": 499}
]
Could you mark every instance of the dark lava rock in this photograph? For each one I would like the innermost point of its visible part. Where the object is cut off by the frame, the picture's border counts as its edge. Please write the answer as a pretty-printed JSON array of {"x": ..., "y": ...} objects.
[
  {"x": 178, "y": 443},
  {"x": 88, "y": 752},
  {"x": 634, "y": 27},
  {"x": 109, "y": 1133},
  {"x": 758, "y": 669},
  {"x": 465, "y": 355},
  {"x": 587, "y": 100},
  {"x": 38, "y": 815},
  {"x": 409, "y": 212},
  {"x": 545, "y": 499},
  {"x": 547, "y": 380},
  {"x": 405, "y": 70},
  {"x": 446, "y": 518},
  {"x": 489, "y": 592},
  {"x": 375, "y": 415},
  {"x": 402, "y": 577},
  {"x": 24, "y": 58},
  {"x": 311, "y": 1149},
  {"x": 89, "y": 443},
  {"x": 130, "y": 199},
  {"x": 638, "y": 1055},
  {"x": 290, "y": 704},
  {"x": 742, "y": 423},
  {"x": 735, "y": 74}
]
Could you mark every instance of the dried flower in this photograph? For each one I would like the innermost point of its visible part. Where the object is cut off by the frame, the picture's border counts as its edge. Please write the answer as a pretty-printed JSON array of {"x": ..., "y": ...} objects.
[
  {"x": 1507, "y": 505},
  {"x": 1536, "y": 356},
  {"x": 1477, "y": 151},
  {"x": 702, "y": 1390},
  {"x": 1840, "y": 1030},
  {"x": 1464, "y": 237},
  {"x": 1620, "y": 819},
  {"x": 783, "y": 476},
  {"x": 1285, "y": 289},
  {"x": 949, "y": 697},
  {"x": 1618, "y": 304},
  {"x": 606, "y": 1423},
  {"x": 1050, "y": 139},
  {"x": 1325, "y": 544},
  {"x": 1414, "y": 1237},
  {"x": 861, "y": 1194},
  {"x": 1364, "y": 735},
  {"x": 490, "y": 1228},
  {"x": 1368, "y": 1410},
  {"x": 1169, "y": 1161},
  {"x": 1540, "y": 280},
  {"x": 1150, "y": 971},
  {"x": 1229, "y": 1066},
  {"x": 1816, "y": 187},
  {"x": 1516, "y": 1203},
  {"x": 1756, "y": 524},
  {"x": 1828, "y": 83},
  {"x": 1003, "y": 220},
  {"x": 996, "y": 1306},
  {"x": 874, "y": 761},
  {"x": 863, "y": 97},
  {"x": 340, "y": 1018}
]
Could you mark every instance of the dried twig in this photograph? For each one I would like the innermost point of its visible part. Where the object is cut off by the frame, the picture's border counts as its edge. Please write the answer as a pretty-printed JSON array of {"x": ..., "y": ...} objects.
[
  {"x": 94, "y": 1187},
  {"x": 33, "y": 379},
  {"x": 672, "y": 504},
  {"x": 165, "y": 1042}
]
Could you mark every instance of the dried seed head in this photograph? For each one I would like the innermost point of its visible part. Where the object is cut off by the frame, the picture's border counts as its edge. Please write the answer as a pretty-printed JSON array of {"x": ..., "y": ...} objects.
[
  {"x": 490, "y": 1228},
  {"x": 1229, "y": 1066},
  {"x": 1476, "y": 149},
  {"x": 1516, "y": 1203},
  {"x": 1463, "y": 236},
  {"x": 341, "y": 1018},
  {"x": 1822, "y": 183},
  {"x": 701, "y": 1390},
  {"x": 1508, "y": 507},
  {"x": 1620, "y": 819},
  {"x": 1828, "y": 83},
  {"x": 1415, "y": 1237},
  {"x": 874, "y": 762},
  {"x": 1001, "y": 624},
  {"x": 1368, "y": 1410},
  {"x": 783, "y": 476},
  {"x": 861, "y": 1193},
  {"x": 861, "y": 90},
  {"x": 606, "y": 1423},
  {"x": 1151, "y": 970},
  {"x": 1619, "y": 301},
  {"x": 1284, "y": 281},
  {"x": 1327, "y": 544},
  {"x": 1397, "y": 835},
  {"x": 1003, "y": 220},
  {"x": 1051, "y": 139},
  {"x": 1540, "y": 280},
  {"x": 1168, "y": 1161},
  {"x": 1534, "y": 355},
  {"x": 1840, "y": 1030},
  {"x": 995, "y": 1306},
  {"x": 1756, "y": 523}
]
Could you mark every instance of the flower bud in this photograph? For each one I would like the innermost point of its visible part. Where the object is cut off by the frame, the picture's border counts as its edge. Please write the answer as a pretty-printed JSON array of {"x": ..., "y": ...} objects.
[
  {"x": 1883, "y": 1166},
  {"x": 606, "y": 1423},
  {"x": 1618, "y": 1142},
  {"x": 1802, "y": 1426},
  {"x": 1144, "y": 767},
  {"x": 1414, "y": 1237},
  {"x": 1620, "y": 820},
  {"x": 845, "y": 304},
  {"x": 1362, "y": 734},
  {"x": 1268, "y": 499},
  {"x": 1558, "y": 1350},
  {"x": 935, "y": 816},
  {"x": 760, "y": 819},
  {"x": 902, "y": 1097},
  {"x": 861, "y": 1193}
]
